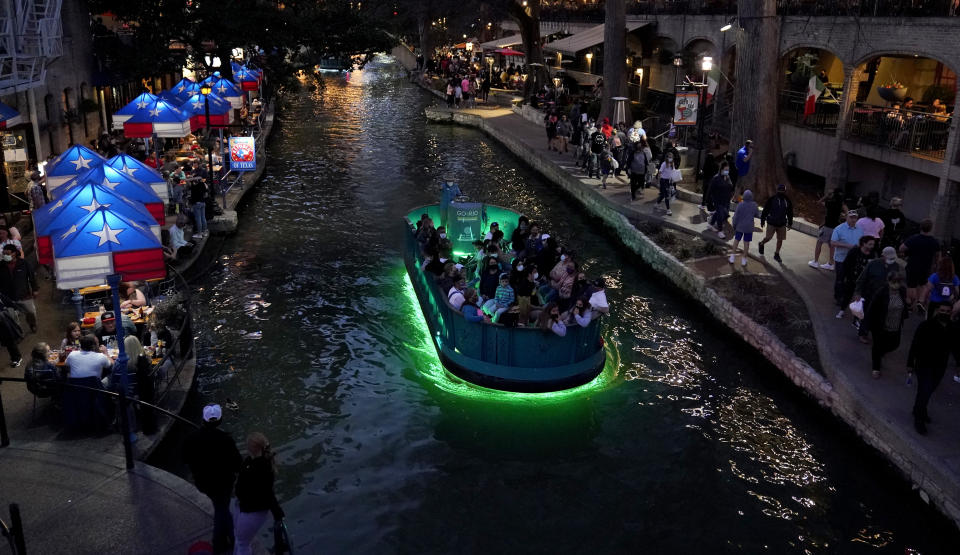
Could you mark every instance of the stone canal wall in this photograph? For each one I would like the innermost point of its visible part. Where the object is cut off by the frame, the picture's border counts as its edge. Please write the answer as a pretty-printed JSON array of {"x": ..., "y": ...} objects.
[{"x": 931, "y": 477}]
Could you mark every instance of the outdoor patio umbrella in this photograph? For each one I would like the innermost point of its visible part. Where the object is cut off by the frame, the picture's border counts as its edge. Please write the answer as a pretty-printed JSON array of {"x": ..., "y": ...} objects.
[
  {"x": 76, "y": 160},
  {"x": 171, "y": 97},
  {"x": 59, "y": 216},
  {"x": 185, "y": 88},
  {"x": 106, "y": 241},
  {"x": 9, "y": 117},
  {"x": 138, "y": 103},
  {"x": 248, "y": 80},
  {"x": 160, "y": 118},
  {"x": 229, "y": 91},
  {"x": 120, "y": 183},
  {"x": 221, "y": 111},
  {"x": 124, "y": 163}
]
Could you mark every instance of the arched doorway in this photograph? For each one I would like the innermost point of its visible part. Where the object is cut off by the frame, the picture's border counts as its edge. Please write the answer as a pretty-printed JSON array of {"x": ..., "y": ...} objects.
[
  {"x": 903, "y": 103},
  {"x": 811, "y": 89}
]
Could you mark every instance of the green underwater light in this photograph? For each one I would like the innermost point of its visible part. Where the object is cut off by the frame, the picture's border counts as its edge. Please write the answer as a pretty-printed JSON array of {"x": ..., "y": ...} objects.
[{"x": 429, "y": 366}]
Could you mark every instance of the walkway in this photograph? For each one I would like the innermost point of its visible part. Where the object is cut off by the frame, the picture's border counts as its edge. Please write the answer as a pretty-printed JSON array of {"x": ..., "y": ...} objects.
[
  {"x": 87, "y": 502},
  {"x": 885, "y": 402}
]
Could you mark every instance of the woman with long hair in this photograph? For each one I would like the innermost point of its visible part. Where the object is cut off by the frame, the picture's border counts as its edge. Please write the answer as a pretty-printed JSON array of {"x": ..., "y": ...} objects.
[
  {"x": 942, "y": 285},
  {"x": 255, "y": 496}
]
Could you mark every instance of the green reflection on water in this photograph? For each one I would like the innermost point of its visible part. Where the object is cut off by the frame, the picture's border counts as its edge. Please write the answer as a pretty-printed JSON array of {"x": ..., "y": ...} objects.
[{"x": 429, "y": 366}]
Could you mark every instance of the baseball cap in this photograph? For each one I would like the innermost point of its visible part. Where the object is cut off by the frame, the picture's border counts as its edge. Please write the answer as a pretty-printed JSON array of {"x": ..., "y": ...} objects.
[
  {"x": 889, "y": 254},
  {"x": 781, "y": 187},
  {"x": 504, "y": 275},
  {"x": 212, "y": 412},
  {"x": 107, "y": 317}
]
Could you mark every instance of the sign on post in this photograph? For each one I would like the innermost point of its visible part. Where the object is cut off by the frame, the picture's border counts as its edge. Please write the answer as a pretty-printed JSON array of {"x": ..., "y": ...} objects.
[
  {"x": 243, "y": 154},
  {"x": 685, "y": 108}
]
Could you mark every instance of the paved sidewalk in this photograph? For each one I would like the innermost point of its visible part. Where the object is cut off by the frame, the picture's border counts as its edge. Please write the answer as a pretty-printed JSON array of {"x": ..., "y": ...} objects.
[
  {"x": 76, "y": 502},
  {"x": 845, "y": 360}
]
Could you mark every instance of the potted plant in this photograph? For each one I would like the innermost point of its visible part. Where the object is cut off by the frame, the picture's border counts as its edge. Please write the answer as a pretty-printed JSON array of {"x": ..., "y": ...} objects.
[{"x": 894, "y": 91}]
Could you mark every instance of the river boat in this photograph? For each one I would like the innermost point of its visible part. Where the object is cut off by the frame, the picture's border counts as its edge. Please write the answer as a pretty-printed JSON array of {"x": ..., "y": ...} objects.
[{"x": 523, "y": 359}]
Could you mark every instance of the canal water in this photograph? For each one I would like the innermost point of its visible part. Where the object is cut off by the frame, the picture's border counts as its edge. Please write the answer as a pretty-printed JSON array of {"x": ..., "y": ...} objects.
[{"x": 687, "y": 442}]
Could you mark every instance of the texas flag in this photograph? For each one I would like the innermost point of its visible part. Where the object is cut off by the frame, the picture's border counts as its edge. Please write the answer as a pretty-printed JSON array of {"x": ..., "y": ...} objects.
[
  {"x": 106, "y": 241},
  {"x": 76, "y": 160}
]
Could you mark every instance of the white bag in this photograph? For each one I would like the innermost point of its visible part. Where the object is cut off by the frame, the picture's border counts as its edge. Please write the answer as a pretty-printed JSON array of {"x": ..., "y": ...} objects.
[{"x": 856, "y": 308}]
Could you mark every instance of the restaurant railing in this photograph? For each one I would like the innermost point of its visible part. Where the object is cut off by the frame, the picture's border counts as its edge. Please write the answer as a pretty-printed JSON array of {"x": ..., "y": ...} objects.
[
  {"x": 917, "y": 133},
  {"x": 174, "y": 290},
  {"x": 825, "y": 118},
  {"x": 594, "y": 13}
]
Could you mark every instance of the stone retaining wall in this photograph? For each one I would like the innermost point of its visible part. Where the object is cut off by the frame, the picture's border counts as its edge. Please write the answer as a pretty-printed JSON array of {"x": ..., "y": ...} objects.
[{"x": 926, "y": 475}]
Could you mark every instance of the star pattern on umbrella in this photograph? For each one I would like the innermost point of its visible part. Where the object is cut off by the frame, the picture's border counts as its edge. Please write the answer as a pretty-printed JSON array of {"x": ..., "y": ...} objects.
[
  {"x": 155, "y": 112},
  {"x": 81, "y": 162},
  {"x": 141, "y": 105},
  {"x": 196, "y": 105},
  {"x": 108, "y": 184},
  {"x": 69, "y": 232},
  {"x": 107, "y": 235},
  {"x": 181, "y": 88},
  {"x": 128, "y": 171},
  {"x": 55, "y": 206},
  {"x": 94, "y": 205},
  {"x": 222, "y": 89}
]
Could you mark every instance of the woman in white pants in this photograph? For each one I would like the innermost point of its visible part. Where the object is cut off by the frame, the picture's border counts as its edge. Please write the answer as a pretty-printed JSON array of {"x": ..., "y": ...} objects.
[{"x": 255, "y": 497}]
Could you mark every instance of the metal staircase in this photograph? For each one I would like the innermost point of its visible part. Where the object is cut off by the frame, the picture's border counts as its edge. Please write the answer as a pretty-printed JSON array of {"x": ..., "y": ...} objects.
[{"x": 30, "y": 38}]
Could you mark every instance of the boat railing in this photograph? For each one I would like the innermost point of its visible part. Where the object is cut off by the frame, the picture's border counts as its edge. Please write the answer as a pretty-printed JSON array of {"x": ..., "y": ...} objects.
[{"x": 528, "y": 347}]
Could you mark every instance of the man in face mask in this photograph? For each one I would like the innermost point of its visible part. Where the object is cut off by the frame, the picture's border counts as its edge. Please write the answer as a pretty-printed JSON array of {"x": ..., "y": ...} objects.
[
  {"x": 18, "y": 283},
  {"x": 933, "y": 343}
]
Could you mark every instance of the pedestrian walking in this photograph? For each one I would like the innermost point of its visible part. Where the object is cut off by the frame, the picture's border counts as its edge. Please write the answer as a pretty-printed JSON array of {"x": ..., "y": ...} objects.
[
  {"x": 198, "y": 199},
  {"x": 743, "y": 217},
  {"x": 637, "y": 167},
  {"x": 873, "y": 279},
  {"x": 720, "y": 190},
  {"x": 933, "y": 343},
  {"x": 884, "y": 318},
  {"x": 742, "y": 161},
  {"x": 922, "y": 251},
  {"x": 894, "y": 223},
  {"x": 669, "y": 177},
  {"x": 255, "y": 496},
  {"x": 778, "y": 216},
  {"x": 18, "y": 283},
  {"x": 853, "y": 265},
  {"x": 214, "y": 461},
  {"x": 845, "y": 237},
  {"x": 834, "y": 214},
  {"x": 598, "y": 144},
  {"x": 564, "y": 132}
]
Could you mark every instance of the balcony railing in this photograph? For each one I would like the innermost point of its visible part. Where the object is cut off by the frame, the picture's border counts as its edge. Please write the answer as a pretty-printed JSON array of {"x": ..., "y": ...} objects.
[
  {"x": 564, "y": 12},
  {"x": 917, "y": 133},
  {"x": 824, "y": 118}
]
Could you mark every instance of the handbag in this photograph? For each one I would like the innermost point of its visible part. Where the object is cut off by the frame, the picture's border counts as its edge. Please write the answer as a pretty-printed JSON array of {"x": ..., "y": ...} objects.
[{"x": 856, "y": 308}]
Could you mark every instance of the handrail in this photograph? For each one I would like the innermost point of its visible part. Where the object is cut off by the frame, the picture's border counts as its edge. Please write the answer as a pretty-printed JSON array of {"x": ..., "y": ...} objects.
[{"x": 259, "y": 141}]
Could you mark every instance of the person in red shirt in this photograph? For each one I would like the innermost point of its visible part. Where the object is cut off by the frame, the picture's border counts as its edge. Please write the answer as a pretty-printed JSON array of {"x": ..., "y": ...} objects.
[{"x": 606, "y": 128}]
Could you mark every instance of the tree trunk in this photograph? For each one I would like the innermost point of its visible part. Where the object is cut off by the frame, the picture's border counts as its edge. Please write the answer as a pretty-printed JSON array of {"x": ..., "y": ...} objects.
[
  {"x": 614, "y": 56},
  {"x": 755, "y": 98},
  {"x": 528, "y": 19}
]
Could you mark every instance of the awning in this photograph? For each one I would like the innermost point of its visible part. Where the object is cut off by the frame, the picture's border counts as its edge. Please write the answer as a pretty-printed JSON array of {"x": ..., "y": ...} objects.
[
  {"x": 585, "y": 39},
  {"x": 501, "y": 42}
]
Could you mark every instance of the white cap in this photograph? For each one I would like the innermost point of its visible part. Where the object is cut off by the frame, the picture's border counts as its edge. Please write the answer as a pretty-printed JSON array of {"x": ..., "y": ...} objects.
[
  {"x": 212, "y": 412},
  {"x": 458, "y": 266},
  {"x": 544, "y": 237}
]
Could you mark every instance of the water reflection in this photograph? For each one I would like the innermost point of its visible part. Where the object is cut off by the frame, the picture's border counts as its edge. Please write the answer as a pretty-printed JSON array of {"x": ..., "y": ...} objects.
[{"x": 683, "y": 444}]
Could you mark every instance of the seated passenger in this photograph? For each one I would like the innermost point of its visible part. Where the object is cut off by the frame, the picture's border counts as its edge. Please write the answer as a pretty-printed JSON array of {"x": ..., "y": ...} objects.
[
  {"x": 179, "y": 248},
  {"x": 494, "y": 227},
  {"x": 598, "y": 298},
  {"x": 449, "y": 275},
  {"x": 455, "y": 295},
  {"x": 503, "y": 298},
  {"x": 534, "y": 241},
  {"x": 550, "y": 254},
  {"x": 579, "y": 314},
  {"x": 550, "y": 320},
  {"x": 519, "y": 238},
  {"x": 525, "y": 288},
  {"x": 490, "y": 278},
  {"x": 82, "y": 409},
  {"x": 471, "y": 312}
]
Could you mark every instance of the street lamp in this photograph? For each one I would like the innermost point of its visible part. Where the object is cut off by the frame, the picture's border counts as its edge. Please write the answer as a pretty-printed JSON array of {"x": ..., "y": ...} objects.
[
  {"x": 206, "y": 89},
  {"x": 706, "y": 64},
  {"x": 589, "y": 61}
]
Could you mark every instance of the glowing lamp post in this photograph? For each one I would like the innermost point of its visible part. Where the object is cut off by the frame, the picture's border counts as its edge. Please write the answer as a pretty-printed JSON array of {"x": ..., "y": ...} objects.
[
  {"x": 205, "y": 90},
  {"x": 706, "y": 64},
  {"x": 589, "y": 62}
]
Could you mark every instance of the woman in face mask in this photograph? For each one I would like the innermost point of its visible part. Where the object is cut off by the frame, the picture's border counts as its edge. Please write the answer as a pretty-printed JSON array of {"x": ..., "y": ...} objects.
[
  {"x": 720, "y": 192},
  {"x": 669, "y": 175},
  {"x": 885, "y": 315}
]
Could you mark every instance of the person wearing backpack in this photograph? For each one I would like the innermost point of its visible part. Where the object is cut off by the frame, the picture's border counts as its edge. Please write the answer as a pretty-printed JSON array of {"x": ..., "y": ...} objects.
[
  {"x": 637, "y": 167},
  {"x": 778, "y": 214}
]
